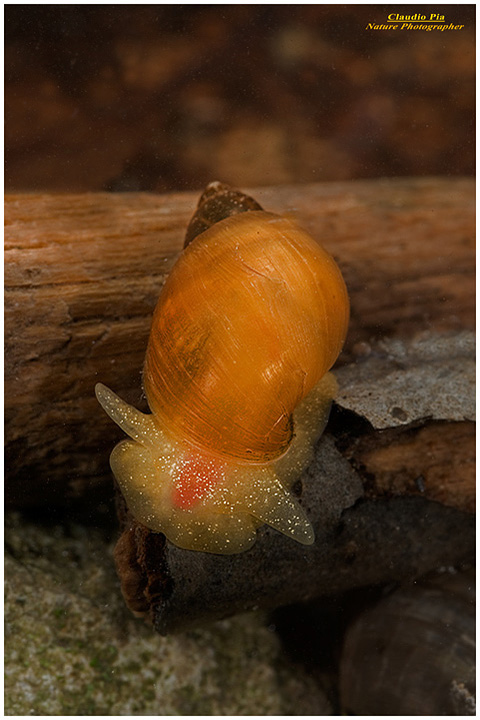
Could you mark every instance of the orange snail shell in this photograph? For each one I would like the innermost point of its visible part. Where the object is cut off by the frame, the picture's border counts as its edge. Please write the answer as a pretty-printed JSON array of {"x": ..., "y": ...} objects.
[
  {"x": 253, "y": 314},
  {"x": 251, "y": 318}
]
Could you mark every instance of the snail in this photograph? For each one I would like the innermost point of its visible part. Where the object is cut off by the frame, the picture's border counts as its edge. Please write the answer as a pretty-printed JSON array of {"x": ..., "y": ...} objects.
[
  {"x": 413, "y": 652},
  {"x": 248, "y": 323}
]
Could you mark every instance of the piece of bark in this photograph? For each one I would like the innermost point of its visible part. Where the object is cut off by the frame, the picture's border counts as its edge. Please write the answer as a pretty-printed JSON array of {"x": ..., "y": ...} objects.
[
  {"x": 83, "y": 273},
  {"x": 435, "y": 461}
]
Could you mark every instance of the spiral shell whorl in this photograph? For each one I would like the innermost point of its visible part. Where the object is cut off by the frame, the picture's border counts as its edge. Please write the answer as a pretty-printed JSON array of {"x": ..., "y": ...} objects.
[{"x": 217, "y": 202}]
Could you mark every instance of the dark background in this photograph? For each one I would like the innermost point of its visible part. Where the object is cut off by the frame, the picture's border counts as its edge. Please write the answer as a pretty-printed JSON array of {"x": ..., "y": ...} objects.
[{"x": 169, "y": 97}]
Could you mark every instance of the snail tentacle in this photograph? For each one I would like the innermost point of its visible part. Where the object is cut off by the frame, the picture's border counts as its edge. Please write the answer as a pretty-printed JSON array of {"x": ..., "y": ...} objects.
[{"x": 135, "y": 424}]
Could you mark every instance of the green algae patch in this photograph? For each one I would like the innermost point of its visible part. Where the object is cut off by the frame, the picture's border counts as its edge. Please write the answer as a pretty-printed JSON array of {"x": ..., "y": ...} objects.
[{"x": 72, "y": 648}]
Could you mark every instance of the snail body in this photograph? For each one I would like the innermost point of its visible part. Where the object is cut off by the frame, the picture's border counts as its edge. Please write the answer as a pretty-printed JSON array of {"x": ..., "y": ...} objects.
[{"x": 251, "y": 318}]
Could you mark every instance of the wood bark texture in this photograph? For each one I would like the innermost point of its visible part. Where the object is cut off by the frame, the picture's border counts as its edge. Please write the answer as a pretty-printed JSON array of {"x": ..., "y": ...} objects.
[{"x": 82, "y": 276}]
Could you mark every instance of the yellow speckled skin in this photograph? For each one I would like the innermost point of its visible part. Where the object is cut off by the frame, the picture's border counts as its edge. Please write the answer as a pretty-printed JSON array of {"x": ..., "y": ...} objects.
[{"x": 250, "y": 320}]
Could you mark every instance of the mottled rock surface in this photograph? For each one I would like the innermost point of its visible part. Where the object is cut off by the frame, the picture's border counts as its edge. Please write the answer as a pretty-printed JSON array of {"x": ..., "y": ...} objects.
[
  {"x": 432, "y": 376},
  {"x": 72, "y": 648}
]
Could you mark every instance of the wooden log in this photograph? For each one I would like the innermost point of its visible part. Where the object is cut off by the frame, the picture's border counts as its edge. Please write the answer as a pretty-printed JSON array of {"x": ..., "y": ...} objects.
[
  {"x": 80, "y": 291},
  {"x": 83, "y": 273}
]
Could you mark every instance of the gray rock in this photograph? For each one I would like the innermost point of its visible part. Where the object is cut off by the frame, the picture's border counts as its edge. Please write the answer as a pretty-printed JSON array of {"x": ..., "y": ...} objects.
[{"x": 431, "y": 376}]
